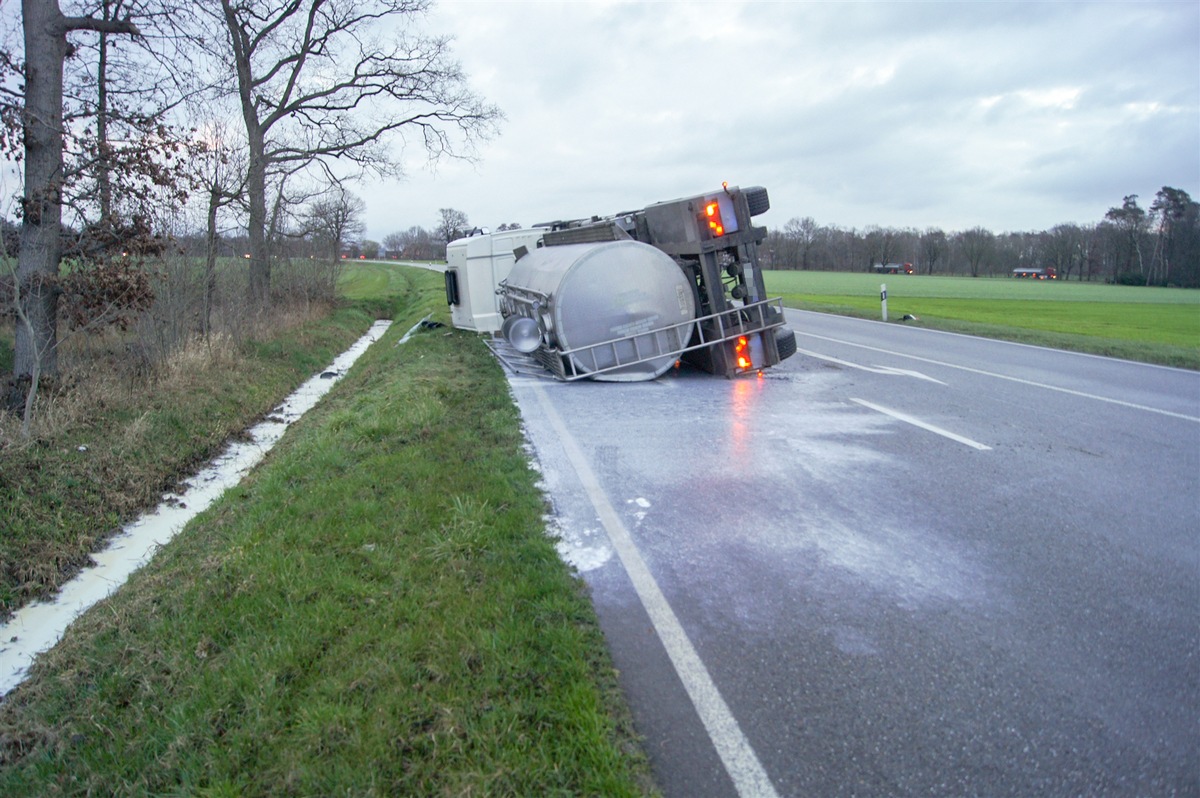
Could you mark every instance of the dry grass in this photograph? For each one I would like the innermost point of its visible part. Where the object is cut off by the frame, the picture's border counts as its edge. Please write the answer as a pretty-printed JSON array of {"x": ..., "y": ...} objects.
[
  {"x": 107, "y": 371},
  {"x": 118, "y": 428}
]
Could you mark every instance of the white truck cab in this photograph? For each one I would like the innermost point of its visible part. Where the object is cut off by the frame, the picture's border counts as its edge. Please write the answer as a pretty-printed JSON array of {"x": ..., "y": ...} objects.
[{"x": 475, "y": 265}]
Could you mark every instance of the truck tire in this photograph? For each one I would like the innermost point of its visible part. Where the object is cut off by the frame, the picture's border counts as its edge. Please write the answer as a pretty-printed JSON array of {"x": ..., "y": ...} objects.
[
  {"x": 757, "y": 199},
  {"x": 785, "y": 342}
]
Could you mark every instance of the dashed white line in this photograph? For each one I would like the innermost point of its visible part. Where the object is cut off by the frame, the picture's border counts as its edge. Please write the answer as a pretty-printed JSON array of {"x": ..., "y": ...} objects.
[
  {"x": 916, "y": 422},
  {"x": 740, "y": 761}
]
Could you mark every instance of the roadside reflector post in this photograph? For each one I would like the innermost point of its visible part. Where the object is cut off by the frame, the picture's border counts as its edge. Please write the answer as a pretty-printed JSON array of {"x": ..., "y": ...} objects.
[{"x": 883, "y": 298}]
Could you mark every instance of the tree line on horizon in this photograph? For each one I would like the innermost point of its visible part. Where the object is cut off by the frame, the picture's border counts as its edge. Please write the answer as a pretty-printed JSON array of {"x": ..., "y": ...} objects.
[{"x": 1131, "y": 245}]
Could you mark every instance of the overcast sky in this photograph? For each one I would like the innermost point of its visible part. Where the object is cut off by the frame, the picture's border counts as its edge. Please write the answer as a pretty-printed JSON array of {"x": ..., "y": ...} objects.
[{"x": 1010, "y": 116}]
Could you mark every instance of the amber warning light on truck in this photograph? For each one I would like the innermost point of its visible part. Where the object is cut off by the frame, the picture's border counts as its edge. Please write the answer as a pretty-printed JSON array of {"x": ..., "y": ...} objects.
[
  {"x": 712, "y": 212},
  {"x": 741, "y": 350},
  {"x": 718, "y": 215}
]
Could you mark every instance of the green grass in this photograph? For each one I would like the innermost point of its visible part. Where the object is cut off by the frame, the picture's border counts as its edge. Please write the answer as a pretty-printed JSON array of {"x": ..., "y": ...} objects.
[
  {"x": 59, "y": 501},
  {"x": 371, "y": 280},
  {"x": 375, "y": 611},
  {"x": 1157, "y": 325}
]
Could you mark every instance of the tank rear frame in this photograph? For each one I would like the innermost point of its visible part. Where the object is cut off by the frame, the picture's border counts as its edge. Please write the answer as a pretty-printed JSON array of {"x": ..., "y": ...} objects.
[{"x": 723, "y": 270}]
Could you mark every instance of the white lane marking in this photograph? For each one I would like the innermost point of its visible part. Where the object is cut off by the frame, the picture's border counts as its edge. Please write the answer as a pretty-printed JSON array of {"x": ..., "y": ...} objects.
[
  {"x": 1031, "y": 383},
  {"x": 741, "y": 763},
  {"x": 872, "y": 369},
  {"x": 916, "y": 422},
  {"x": 907, "y": 373}
]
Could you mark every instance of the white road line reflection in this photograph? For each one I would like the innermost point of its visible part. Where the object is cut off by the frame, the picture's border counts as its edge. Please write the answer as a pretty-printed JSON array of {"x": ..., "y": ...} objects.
[
  {"x": 916, "y": 422},
  {"x": 741, "y": 763}
]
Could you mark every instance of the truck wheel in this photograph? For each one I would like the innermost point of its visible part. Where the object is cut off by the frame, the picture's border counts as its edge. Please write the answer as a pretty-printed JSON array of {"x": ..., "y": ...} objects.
[
  {"x": 785, "y": 342},
  {"x": 758, "y": 200}
]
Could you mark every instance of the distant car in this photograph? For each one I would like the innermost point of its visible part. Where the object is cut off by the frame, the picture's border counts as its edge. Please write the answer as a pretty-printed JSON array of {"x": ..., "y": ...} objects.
[
  {"x": 1047, "y": 273},
  {"x": 893, "y": 268}
]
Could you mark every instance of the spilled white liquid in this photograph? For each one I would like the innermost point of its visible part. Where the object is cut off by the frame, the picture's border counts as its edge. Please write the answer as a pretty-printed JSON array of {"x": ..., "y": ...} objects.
[{"x": 37, "y": 627}]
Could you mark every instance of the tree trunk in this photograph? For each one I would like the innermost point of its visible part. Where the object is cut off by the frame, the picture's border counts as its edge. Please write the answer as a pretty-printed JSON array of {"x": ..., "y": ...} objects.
[
  {"x": 35, "y": 344},
  {"x": 256, "y": 170},
  {"x": 36, "y": 339},
  {"x": 103, "y": 164},
  {"x": 256, "y": 193},
  {"x": 210, "y": 257}
]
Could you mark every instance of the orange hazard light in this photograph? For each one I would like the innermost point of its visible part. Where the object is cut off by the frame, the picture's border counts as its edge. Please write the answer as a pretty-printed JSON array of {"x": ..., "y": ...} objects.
[
  {"x": 712, "y": 212},
  {"x": 741, "y": 353}
]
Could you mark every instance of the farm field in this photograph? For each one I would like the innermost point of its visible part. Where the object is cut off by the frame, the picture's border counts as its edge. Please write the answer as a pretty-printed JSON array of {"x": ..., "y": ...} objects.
[{"x": 1158, "y": 325}]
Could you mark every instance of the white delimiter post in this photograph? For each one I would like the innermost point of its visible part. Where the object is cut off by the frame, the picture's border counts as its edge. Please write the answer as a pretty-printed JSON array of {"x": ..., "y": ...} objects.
[{"x": 883, "y": 298}]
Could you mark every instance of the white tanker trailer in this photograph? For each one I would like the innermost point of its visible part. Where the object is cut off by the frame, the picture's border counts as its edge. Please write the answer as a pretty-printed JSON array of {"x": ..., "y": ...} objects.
[{"x": 622, "y": 298}]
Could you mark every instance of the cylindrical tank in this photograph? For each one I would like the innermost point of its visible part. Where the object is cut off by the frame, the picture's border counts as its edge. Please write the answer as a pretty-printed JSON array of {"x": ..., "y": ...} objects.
[{"x": 611, "y": 290}]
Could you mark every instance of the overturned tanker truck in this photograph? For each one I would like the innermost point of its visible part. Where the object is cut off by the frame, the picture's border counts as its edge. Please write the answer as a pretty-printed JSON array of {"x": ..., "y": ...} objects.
[{"x": 624, "y": 297}]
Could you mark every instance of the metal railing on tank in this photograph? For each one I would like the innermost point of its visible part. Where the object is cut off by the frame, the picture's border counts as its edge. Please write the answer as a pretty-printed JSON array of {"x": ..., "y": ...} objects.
[{"x": 711, "y": 330}]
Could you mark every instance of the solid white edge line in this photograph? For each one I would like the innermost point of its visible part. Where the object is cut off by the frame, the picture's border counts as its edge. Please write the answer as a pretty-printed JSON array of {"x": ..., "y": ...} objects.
[
  {"x": 740, "y": 761},
  {"x": 916, "y": 422}
]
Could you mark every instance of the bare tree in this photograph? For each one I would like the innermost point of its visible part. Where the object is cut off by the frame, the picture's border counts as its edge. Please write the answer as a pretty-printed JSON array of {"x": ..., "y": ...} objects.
[
  {"x": 803, "y": 232},
  {"x": 977, "y": 246},
  {"x": 416, "y": 242},
  {"x": 881, "y": 245},
  {"x": 849, "y": 247},
  {"x": 218, "y": 169},
  {"x": 933, "y": 247},
  {"x": 1062, "y": 248},
  {"x": 334, "y": 219},
  {"x": 452, "y": 224},
  {"x": 46, "y": 49},
  {"x": 124, "y": 161},
  {"x": 393, "y": 245},
  {"x": 317, "y": 87}
]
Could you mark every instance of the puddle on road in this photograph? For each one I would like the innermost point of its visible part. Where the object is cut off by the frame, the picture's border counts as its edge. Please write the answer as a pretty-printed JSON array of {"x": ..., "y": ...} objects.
[{"x": 37, "y": 627}]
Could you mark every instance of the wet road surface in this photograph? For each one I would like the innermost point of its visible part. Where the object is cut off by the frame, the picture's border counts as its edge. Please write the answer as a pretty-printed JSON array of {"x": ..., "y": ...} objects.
[{"x": 900, "y": 563}]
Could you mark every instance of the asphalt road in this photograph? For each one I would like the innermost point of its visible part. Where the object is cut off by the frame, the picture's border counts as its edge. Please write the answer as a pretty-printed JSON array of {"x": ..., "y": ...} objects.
[{"x": 901, "y": 563}]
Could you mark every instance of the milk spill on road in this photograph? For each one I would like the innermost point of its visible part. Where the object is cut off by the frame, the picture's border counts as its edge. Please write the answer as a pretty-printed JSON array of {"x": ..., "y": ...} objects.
[{"x": 37, "y": 627}]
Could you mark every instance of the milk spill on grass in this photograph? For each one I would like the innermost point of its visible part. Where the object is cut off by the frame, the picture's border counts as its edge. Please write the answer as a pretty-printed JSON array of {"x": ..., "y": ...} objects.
[{"x": 37, "y": 627}]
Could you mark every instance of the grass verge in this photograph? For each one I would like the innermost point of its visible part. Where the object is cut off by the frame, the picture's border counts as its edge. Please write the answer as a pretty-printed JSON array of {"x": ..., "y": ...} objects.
[
  {"x": 1153, "y": 325},
  {"x": 376, "y": 610},
  {"x": 108, "y": 447}
]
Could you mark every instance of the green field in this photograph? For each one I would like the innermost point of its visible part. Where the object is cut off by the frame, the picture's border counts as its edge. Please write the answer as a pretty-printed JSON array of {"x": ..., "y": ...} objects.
[
  {"x": 1158, "y": 325},
  {"x": 371, "y": 280}
]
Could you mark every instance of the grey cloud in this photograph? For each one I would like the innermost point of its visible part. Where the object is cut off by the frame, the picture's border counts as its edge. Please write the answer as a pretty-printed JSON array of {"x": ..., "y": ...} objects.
[{"x": 1009, "y": 115}]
